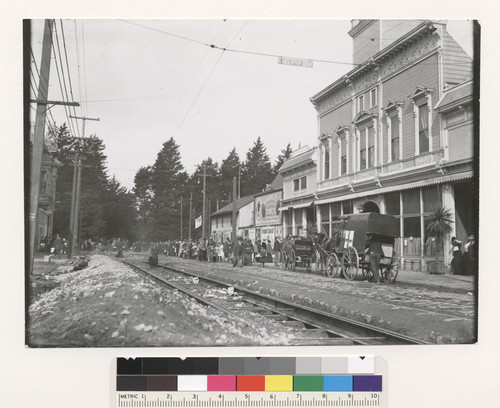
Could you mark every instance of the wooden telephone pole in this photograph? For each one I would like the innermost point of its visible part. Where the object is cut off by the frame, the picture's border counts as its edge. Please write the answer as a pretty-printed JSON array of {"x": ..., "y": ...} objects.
[
  {"x": 74, "y": 226},
  {"x": 39, "y": 136}
]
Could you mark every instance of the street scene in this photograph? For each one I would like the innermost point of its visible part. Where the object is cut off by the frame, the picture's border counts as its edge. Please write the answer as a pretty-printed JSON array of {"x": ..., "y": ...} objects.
[{"x": 251, "y": 183}]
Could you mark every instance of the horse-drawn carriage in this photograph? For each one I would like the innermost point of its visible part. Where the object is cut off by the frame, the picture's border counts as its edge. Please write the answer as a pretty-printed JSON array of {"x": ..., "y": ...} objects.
[
  {"x": 351, "y": 242},
  {"x": 296, "y": 251}
]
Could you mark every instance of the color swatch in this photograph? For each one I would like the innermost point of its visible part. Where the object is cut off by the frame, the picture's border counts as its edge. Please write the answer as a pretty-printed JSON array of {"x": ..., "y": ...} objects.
[{"x": 345, "y": 374}]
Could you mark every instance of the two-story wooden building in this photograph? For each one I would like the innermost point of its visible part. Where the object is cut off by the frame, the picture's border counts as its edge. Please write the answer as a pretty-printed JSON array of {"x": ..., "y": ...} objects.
[
  {"x": 299, "y": 188},
  {"x": 388, "y": 138}
]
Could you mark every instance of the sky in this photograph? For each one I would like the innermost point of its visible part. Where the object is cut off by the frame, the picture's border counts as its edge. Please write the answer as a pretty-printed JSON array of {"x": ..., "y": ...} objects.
[{"x": 149, "y": 80}]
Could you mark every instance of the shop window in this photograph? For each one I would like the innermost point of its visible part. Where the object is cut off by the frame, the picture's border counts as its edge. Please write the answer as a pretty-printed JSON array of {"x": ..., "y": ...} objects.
[
  {"x": 411, "y": 201},
  {"x": 336, "y": 209},
  {"x": 392, "y": 203},
  {"x": 325, "y": 212},
  {"x": 412, "y": 242},
  {"x": 430, "y": 197},
  {"x": 347, "y": 207}
]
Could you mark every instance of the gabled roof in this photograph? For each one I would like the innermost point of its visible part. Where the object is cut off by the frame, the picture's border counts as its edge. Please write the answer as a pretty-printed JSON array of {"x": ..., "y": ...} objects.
[
  {"x": 455, "y": 96},
  {"x": 240, "y": 203},
  {"x": 299, "y": 160}
]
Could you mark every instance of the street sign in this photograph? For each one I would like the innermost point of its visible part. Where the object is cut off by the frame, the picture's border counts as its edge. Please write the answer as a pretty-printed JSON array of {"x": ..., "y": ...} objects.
[{"x": 295, "y": 62}]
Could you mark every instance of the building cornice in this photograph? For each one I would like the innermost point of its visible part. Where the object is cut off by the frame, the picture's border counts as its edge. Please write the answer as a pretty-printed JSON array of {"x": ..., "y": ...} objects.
[{"x": 427, "y": 27}]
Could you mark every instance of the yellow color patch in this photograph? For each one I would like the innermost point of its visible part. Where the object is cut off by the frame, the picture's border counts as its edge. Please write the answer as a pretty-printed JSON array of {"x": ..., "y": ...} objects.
[{"x": 279, "y": 382}]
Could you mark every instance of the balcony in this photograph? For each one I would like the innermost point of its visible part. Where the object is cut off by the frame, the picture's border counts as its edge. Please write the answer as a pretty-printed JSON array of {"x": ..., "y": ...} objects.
[{"x": 413, "y": 163}]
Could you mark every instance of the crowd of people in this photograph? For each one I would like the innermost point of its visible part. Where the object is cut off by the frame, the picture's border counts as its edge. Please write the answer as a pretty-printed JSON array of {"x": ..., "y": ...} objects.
[{"x": 463, "y": 263}]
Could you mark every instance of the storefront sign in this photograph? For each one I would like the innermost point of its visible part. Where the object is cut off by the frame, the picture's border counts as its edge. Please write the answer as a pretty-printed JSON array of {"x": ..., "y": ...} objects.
[{"x": 266, "y": 209}]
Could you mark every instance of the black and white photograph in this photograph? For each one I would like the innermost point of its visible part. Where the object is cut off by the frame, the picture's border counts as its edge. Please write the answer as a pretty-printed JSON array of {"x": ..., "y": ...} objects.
[{"x": 259, "y": 182}]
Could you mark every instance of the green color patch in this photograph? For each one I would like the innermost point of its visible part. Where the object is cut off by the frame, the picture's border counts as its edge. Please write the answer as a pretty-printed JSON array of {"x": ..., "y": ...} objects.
[{"x": 308, "y": 383}]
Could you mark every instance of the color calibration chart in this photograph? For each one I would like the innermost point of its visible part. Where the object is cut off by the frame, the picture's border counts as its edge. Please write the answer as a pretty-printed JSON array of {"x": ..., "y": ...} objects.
[{"x": 346, "y": 381}]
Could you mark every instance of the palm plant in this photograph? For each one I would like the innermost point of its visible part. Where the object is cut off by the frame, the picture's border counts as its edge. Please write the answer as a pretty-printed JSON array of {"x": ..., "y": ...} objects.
[{"x": 438, "y": 224}]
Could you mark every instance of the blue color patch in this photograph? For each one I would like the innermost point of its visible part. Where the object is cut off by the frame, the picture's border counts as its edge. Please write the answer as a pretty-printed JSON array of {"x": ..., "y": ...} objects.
[{"x": 337, "y": 383}]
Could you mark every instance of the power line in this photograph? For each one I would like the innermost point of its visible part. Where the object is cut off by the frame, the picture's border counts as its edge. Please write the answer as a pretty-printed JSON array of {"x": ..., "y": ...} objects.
[
  {"x": 209, "y": 75},
  {"x": 84, "y": 68},
  {"x": 62, "y": 84},
  {"x": 69, "y": 73},
  {"x": 233, "y": 50}
]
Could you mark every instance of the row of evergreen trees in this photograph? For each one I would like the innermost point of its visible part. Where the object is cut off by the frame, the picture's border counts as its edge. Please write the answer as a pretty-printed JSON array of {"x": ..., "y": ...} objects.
[{"x": 151, "y": 211}]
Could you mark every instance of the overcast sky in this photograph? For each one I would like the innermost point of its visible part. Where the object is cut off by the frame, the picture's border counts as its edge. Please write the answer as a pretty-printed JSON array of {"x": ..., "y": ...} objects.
[{"x": 149, "y": 80}]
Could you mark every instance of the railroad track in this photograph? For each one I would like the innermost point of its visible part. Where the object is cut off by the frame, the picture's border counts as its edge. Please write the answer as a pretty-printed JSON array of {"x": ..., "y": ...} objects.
[{"x": 323, "y": 328}]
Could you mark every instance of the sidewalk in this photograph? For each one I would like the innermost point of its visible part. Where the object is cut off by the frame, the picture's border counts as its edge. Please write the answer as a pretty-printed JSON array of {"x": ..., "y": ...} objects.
[
  {"x": 41, "y": 266},
  {"x": 453, "y": 283}
]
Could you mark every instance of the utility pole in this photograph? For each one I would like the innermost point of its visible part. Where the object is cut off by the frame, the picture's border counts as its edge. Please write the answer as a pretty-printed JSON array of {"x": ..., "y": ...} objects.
[
  {"x": 205, "y": 175},
  {"x": 38, "y": 137},
  {"x": 83, "y": 124},
  {"x": 204, "y": 200},
  {"x": 233, "y": 222},
  {"x": 190, "y": 212},
  {"x": 75, "y": 194},
  {"x": 181, "y": 218}
]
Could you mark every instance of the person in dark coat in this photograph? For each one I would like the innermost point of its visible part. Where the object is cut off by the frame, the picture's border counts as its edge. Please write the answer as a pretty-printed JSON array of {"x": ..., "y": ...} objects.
[
  {"x": 469, "y": 258},
  {"x": 237, "y": 250},
  {"x": 456, "y": 261},
  {"x": 277, "y": 251},
  {"x": 373, "y": 248}
]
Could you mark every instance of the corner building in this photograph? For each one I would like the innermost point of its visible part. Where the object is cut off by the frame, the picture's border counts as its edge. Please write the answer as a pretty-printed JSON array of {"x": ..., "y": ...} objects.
[{"x": 384, "y": 144}]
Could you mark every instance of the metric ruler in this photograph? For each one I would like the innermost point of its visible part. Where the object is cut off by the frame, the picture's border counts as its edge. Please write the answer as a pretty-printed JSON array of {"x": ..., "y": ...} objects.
[{"x": 248, "y": 399}]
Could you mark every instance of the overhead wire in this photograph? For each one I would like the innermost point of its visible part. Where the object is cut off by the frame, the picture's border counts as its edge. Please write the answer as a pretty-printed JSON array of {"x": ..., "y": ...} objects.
[
  {"x": 62, "y": 83},
  {"x": 69, "y": 72},
  {"x": 213, "y": 46},
  {"x": 206, "y": 81},
  {"x": 34, "y": 84}
]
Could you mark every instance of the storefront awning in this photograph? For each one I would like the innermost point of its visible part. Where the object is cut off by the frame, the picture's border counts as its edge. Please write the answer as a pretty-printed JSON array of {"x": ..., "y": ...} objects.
[
  {"x": 296, "y": 206},
  {"x": 429, "y": 182}
]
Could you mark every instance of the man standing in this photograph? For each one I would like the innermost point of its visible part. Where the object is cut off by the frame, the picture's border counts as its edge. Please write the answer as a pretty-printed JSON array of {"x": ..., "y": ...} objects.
[
  {"x": 374, "y": 250},
  {"x": 237, "y": 251},
  {"x": 277, "y": 251}
]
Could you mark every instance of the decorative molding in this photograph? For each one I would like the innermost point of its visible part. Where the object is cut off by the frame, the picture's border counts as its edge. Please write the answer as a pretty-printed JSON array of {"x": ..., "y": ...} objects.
[
  {"x": 394, "y": 167},
  {"x": 410, "y": 54},
  {"x": 421, "y": 160}
]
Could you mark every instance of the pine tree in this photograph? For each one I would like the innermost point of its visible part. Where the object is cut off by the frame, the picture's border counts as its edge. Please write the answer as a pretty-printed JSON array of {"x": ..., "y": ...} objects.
[
  {"x": 229, "y": 168},
  {"x": 167, "y": 184},
  {"x": 93, "y": 183},
  {"x": 143, "y": 195},
  {"x": 256, "y": 171},
  {"x": 286, "y": 153}
]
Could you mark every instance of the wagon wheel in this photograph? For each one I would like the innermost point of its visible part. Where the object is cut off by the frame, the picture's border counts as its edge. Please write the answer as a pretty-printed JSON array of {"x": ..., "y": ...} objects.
[
  {"x": 366, "y": 270},
  {"x": 291, "y": 260},
  {"x": 350, "y": 263},
  {"x": 332, "y": 265},
  {"x": 391, "y": 271}
]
